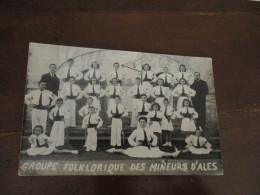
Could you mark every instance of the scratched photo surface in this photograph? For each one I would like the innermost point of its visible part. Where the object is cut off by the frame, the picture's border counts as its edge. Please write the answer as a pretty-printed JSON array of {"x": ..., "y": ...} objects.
[{"x": 91, "y": 111}]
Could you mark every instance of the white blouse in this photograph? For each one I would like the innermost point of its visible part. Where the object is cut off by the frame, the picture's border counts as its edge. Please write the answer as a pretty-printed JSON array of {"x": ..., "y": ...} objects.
[{"x": 138, "y": 135}]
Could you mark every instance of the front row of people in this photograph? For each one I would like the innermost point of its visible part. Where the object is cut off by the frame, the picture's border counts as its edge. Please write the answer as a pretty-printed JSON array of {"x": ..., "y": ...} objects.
[{"x": 144, "y": 139}]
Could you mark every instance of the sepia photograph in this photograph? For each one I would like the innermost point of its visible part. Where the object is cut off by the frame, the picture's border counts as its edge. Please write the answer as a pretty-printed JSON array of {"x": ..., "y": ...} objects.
[{"x": 90, "y": 111}]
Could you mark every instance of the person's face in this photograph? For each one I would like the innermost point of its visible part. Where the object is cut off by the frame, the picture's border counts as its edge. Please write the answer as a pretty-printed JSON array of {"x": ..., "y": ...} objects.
[
  {"x": 70, "y": 63},
  {"x": 42, "y": 86},
  {"x": 198, "y": 133},
  {"x": 92, "y": 111},
  {"x": 165, "y": 69},
  {"x": 59, "y": 104},
  {"x": 182, "y": 68},
  {"x": 160, "y": 82},
  {"x": 146, "y": 67},
  {"x": 116, "y": 66},
  {"x": 155, "y": 107},
  {"x": 94, "y": 81},
  {"x": 186, "y": 104},
  {"x": 143, "y": 98},
  {"x": 72, "y": 80},
  {"x": 95, "y": 65},
  {"x": 142, "y": 123},
  {"x": 182, "y": 82},
  {"x": 89, "y": 101},
  {"x": 197, "y": 76},
  {"x": 117, "y": 100},
  {"x": 138, "y": 81},
  {"x": 52, "y": 69},
  {"x": 166, "y": 103},
  {"x": 37, "y": 131},
  {"x": 114, "y": 82}
]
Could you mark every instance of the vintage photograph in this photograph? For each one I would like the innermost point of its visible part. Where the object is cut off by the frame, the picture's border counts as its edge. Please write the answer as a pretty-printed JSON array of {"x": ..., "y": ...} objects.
[{"x": 91, "y": 111}]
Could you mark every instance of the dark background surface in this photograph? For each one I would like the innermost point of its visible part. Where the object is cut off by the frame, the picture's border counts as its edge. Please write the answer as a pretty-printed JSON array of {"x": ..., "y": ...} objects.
[{"x": 228, "y": 31}]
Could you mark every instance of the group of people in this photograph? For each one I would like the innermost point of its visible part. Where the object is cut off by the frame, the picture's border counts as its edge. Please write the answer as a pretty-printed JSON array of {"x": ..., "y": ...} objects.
[{"x": 153, "y": 109}]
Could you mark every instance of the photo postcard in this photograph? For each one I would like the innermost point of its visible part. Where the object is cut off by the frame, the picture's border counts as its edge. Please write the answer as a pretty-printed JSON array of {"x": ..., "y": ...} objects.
[{"x": 94, "y": 111}]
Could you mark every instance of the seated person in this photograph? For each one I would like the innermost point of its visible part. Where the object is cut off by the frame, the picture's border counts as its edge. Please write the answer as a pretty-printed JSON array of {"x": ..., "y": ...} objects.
[
  {"x": 197, "y": 144},
  {"x": 143, "y": 143}
]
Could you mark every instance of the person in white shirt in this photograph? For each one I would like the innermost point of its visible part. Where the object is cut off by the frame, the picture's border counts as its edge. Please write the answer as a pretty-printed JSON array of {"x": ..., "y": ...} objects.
[
  {"x": 135, "y": 92},
  {"x": 58, "y": 115},
  {"x": 116, "y": 112},
  {"x": 40, "y": 101},
  {"x": 70, "y": 71},
  {"x": 115, "y": 73},
  {"x": 71, "y": 92},
  {"x": 91, "y": 122},
  {"x": 187, "y": 114},
  {"x": 167, "y": 127},
  {"x": 85, "y": 109},
  {"x": 168, "y": 78},
  {"x": 94, "y": 72},
  {"x": 197, "y": 144},
  {"x": 160, "y": 92},
  {"x": 184, "y": 74},
  {"x": 155, "y": 119},
  {"x": 144, "y": 144},
  {"x": 94, "y": 91},
  {"x": 147, "y": 77},
  {"x": 142, "y": 108},
  {"x": 113, "y": 91},
  {"x": 41, "y": 144},
  {"x": 183, "y": 91}
]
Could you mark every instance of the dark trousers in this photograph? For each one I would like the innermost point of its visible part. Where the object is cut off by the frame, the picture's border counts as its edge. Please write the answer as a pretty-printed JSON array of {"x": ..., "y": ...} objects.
[{"x": 200, "y": 108}]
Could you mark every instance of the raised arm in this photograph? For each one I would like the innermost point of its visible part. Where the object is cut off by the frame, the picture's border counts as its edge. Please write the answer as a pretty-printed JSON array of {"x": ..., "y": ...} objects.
[
  {"x": 154, "y": 138},
  {"x": 131, "y": 139},
  {"x": 100, "y": 122}
]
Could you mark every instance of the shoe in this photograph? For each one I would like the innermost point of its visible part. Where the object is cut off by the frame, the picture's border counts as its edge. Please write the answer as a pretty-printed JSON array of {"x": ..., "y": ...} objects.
[
  {"x": 111, "y": 150},
  {"x": 176, "y": 153},
  {"x": 170, "y": 144},
  {"x": 166, "y": 144},
  {"x": 75, "y": 152}
]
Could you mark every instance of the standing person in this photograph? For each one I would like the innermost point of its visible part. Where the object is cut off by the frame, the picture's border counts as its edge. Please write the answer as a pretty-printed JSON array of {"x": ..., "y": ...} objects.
[
  {"x": 135, "y": 92},
  {"x": 184, "y": 74},
  {"x": 167, "y": 77},
  {"x": 182, "y": 91},
  {"x": 115, "y": 73},
  {"x": 116, "y": 112},
  {"x": 142, "y": 108},
  {"x": 144, "y": 144},
  {"x": 70, "y": 71},
  {"x": 147, "y": 76},
  {"x": 113, "y": 91},
  {"x": 155, "y": 119},
  {"x": 94, "y": 72},
  {"x": 187, "y": 114},
  {"x": 51, "y": 80},
  {"x": 85, "y": 109},
  {"x": 40, "y": 101},
  {"x": 58, "y": 115},
  {"x": 160, "y": 92},
  {"x": 71, "y": 93},
  {"x": 199, "y": 100},
  {"x": 94, "y": 91},
  {"x": 92, "y": 121},
  {"x": 167, "y": 127},
  {"x": 41, "y": 144}
]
